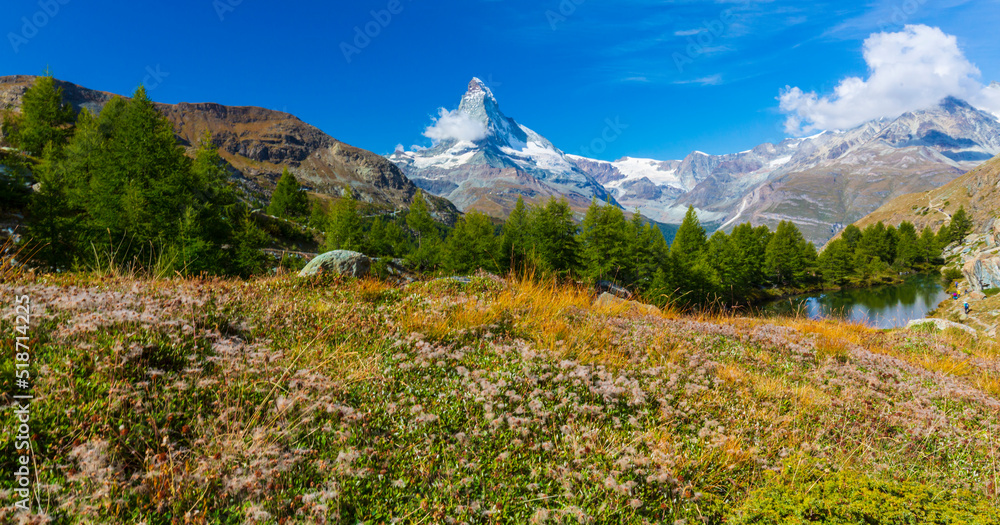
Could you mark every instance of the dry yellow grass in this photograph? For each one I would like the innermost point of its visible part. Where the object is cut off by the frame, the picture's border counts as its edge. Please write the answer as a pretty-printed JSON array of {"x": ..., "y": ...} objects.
[
  {"x": 947, "y": 365},
  {"x": 731, "y": 373},
  {"x": 560, "y": 318},
  {"x": 988, "y": 382}
]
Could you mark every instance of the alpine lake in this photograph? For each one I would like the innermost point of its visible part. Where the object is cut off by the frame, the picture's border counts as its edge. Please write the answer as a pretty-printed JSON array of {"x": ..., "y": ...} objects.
[{"x": 888, "y": 306}]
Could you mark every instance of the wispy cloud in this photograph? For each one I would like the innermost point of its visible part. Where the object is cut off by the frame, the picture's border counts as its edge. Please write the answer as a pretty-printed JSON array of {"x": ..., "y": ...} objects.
[{"x": 713, "y": 80}]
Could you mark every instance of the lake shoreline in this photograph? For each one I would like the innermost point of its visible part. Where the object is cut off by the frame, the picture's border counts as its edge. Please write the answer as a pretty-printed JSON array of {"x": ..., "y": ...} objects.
[{"x": 889, "y": 305}]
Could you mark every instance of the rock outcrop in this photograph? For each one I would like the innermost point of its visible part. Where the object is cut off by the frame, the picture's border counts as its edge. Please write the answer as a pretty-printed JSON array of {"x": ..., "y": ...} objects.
[
  {"x": 607, "y": 300},
  {"x": 983, "y": 271},
  {"x": 342, "y": 262},
  {"x": 940, "y": 324}
]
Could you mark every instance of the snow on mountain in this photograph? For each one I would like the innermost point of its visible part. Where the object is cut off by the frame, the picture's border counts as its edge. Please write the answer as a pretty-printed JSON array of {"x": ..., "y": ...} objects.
[
  {"x": 820, "y": 182},
  {"x": 489, "y": 174},
  {"x": 484, "y": 160}
]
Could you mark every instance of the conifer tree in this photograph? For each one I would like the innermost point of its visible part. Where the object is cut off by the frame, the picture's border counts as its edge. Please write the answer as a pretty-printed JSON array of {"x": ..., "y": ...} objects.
[
  {"x": 208, "y": 222},
  {"x": 43, "y": 119},
  {"x": 851, "y": 235},
  {"x": 52, "y": 231},
  {"x": 516, "y": 239},
  {"x": 786, "y": 254},
  {"x": 344, "y": 227},
  {"x": 140, "y": 180},
  {"x": 288, "y": 200},
  {"x": 723, "y": 259},
  {"x": 645, "y": 250},
  {"x": 960, "y": 226},
  {"x": 751, "y": 246},
  {"x": 249, "y": 242},
  {"x": 603, "y": 237},
  {"x": 928, "y": 245},
  {"x": 318, "y": 215},
  {"x": 472, "y": 245},
  {"x": 426, "y": 254},
  {"x": 837, "y": 262},
  {"x": 908, "y": 250},
  {"x": 555, "y": 237},
  {"x": 689, "y": 241},
  {"x": 387, "y": 238},
  {"x": 871, "y": 245},
  {"x": 664, "y": 289},
  {"x": 943, "y": 237}
]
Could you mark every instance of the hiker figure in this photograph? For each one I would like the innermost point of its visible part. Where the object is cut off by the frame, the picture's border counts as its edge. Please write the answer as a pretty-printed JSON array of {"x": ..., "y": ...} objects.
[{"x": 966, "y": 307}]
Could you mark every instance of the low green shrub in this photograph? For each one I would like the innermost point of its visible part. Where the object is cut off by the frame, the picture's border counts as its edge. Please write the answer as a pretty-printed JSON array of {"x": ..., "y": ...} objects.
[
  {"x": 951, "y": 274},
  {"x": 848, "y": 498}
]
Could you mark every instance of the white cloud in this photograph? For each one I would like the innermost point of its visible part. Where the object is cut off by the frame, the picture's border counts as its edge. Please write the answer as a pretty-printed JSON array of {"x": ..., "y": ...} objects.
[
  {"x": 909, "y": 70},
  {"x": 455, "y": 125},
  {"x": 400, "y": 148}
]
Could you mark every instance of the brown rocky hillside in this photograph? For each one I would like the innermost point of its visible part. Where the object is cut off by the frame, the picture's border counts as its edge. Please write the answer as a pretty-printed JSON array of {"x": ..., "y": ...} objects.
[
  {"x": 259, "y": 143},
  {"x": 978, "y": 191}
]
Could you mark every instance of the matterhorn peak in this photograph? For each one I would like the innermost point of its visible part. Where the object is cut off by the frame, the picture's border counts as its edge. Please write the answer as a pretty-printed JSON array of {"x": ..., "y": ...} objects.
[
  {"x": 480, "y": 104},
  {"x": 476, "y": 86},
  {"x": 478, "y": 98}
]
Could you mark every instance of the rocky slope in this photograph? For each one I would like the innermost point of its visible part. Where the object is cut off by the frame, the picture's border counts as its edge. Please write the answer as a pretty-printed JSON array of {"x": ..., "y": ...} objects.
[
  {"x": 821, "y": 182},
  {"x": 259, "y": 143},
  {"x": 506, "y": 160}
]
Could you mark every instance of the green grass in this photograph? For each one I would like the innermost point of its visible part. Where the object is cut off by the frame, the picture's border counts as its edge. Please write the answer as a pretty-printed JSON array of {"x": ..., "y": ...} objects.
[{"x": 282, "y": 400}]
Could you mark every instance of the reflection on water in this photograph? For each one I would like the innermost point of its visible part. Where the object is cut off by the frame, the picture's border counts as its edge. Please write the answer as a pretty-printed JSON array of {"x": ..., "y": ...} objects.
[{"x": 880, "y": 307}]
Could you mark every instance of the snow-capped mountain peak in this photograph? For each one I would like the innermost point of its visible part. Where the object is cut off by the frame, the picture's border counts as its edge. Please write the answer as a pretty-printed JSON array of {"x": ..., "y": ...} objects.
[{"x": 462, "y": 170}]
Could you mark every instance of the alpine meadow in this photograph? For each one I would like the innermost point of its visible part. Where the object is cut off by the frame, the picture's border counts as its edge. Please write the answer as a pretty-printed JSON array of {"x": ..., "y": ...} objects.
[{"x": 219, "y": 313}]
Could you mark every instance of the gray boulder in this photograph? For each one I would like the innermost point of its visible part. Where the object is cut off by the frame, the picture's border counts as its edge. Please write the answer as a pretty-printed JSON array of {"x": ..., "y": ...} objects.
[
  {"x": 940, "y": 324},
  {"x": 982, "y": 272},
  {"x": 607, "y": 300},
  {"x": 341, "y": 262},
  {"x": 613, "y": 289}
]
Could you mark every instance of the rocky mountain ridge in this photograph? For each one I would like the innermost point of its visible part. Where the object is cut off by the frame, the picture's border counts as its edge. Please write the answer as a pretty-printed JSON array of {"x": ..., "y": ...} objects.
[
  {"x": 507, "y": 160},
  {"x": 259, "y": 143},
  {"x": 821, "y": 182}
]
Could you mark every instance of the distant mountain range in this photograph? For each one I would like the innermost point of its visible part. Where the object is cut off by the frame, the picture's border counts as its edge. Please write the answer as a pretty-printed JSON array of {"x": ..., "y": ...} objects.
[
  {"x": 821, "y": 183},
  {"x": 259, "y": 143}
]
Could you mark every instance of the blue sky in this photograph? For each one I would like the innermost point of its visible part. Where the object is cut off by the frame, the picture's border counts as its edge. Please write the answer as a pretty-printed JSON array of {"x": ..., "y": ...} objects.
[{"x": 561, "y": 67}]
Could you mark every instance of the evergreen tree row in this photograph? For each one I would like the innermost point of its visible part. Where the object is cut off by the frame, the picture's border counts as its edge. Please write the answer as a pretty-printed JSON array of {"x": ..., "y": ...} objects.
[
  {"x": 117, "y": 188},
  {"x": 117, "y": 185},
  {"x": 695, "y": 269}
]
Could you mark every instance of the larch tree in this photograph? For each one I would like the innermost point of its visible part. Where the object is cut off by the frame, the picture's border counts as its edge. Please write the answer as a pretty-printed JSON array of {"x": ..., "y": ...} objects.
[{"x": 288, "y": 200}]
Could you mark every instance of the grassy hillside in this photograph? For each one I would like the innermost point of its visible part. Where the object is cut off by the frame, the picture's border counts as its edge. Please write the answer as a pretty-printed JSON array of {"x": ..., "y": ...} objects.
[
  {"x": 978, "y": 191},
  {"x": 503, "y": 401}
]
